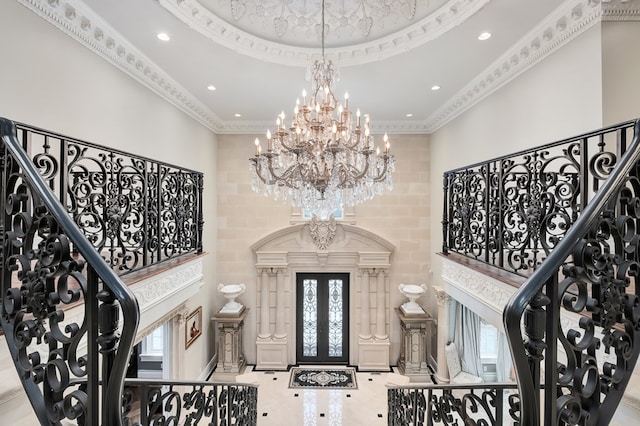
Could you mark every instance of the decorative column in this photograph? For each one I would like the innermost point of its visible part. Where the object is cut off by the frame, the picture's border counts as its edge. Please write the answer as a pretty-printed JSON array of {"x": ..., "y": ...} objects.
[
  {"x": 264, "y": 305},
  {"x": 281, "y": 332},
  {"x": 272, "y": 348},
  {"x": 444, "y": 301},
  {"x": 373, "y": 351},
  {"x": 381, "y": 311},
  {"x": 365, "y": 323}
]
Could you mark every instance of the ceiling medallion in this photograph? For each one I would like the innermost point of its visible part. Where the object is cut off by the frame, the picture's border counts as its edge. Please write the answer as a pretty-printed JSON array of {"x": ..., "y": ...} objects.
[
  {"x": 325, "y": 160},
  {"x": 346, "y": 18}
]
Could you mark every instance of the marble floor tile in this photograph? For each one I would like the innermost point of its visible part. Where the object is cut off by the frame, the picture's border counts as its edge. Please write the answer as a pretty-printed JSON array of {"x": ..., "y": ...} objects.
[{"x": 279, "y": 406}]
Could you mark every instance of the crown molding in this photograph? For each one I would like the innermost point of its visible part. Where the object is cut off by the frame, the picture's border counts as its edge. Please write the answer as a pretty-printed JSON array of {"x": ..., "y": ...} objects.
[
  {"x": 201, "y": 19},
  {"x": 379, "y": 127},
  {"x": 85, "y": 26},
  {"x": 571, "y": 19}
]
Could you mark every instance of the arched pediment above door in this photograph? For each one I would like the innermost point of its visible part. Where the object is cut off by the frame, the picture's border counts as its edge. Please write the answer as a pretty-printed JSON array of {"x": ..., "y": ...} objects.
[
  {"x": 323, "y": 247},
  {"x": 323, "y": 242}
]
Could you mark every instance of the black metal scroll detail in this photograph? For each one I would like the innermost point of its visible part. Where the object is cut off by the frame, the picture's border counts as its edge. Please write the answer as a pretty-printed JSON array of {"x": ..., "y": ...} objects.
[
  {"x": 44, "y": 340},
  {"x": 452, "y": 405},
  {"x": 61, "y": 303},
  {"x": 135, "y": 211},
  {"x": 156, "y": 403},
  {"x": 581, "y": 308},
  {"x": 605, "y": 265},
  {"x": 511, "y": 212}
]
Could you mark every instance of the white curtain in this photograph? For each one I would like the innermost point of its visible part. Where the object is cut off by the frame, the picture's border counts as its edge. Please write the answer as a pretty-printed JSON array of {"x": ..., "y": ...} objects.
[
  {"x": 467, "y": 338},
  {"x": 503, "y": 367}
]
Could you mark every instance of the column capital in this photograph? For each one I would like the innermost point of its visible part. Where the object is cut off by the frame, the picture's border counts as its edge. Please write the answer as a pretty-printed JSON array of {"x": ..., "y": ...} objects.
[
  {"x": 271, "y": 270},
  {"x": 373, "y": 270},
  {"x": 442, "y": 296}
]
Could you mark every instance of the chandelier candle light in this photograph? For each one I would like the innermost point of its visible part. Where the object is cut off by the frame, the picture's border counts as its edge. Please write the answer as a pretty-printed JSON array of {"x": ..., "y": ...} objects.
[{"x": 324, "y": 160}]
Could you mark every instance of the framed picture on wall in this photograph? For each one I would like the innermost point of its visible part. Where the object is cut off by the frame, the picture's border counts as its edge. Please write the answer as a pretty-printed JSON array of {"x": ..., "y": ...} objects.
[{"x": 193, "y": 327}]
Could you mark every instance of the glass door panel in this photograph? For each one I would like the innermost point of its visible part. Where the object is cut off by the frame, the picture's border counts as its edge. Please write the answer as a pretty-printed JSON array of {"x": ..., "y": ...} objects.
[{"x": 322, "y": 318}]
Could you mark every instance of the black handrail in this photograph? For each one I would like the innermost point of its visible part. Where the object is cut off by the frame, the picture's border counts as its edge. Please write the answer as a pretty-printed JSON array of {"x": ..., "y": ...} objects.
[
  {"x": 582, "y": 275},
  {"x": 23, "y": 321}
]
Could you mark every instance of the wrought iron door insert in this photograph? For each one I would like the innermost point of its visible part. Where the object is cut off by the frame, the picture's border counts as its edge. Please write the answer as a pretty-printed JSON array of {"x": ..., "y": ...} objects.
[{"x": 322, "y": 318}]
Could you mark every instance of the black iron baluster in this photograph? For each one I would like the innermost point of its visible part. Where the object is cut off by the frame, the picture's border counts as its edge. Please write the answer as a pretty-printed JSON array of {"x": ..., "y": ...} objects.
[{"x": 199, "y": 178}]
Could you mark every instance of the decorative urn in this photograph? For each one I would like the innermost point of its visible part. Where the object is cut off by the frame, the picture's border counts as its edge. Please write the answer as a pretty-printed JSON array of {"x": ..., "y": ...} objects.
[
  {"x": 412, "y": 292},
  {"x": 231, "y": 292}
]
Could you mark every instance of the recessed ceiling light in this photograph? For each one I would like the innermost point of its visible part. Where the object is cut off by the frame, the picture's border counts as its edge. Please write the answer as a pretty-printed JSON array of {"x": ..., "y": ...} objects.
[
  {"x": 484, "y": 36},
  {"x": 436, "y": 87},
  {"x": 211, "y": 87},
  {"x": 163, "y": 36},
  {"x": 237, "y": 115},
  {"x": 409, "y": 115}
]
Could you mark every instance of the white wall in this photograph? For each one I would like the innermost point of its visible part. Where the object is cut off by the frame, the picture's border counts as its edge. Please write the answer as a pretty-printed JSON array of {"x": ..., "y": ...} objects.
[
  {"x": 620, "y": 71},
  {"x": 557, "y": 98},
  {"x": 50, "y": 81}
]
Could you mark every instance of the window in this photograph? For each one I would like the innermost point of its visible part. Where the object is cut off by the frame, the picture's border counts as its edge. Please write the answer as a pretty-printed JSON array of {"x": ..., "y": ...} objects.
[
  {"x": 488, "y": 341},
  {"x": 153, "y": 343}
]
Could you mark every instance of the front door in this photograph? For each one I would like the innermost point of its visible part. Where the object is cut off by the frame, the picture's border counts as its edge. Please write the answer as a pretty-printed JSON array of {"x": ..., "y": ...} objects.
[{"x": 322, "y": 318}]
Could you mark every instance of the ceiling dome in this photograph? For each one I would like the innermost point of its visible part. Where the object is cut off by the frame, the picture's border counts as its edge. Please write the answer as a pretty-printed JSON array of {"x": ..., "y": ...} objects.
[
  {"x": 297, "y": 22},
  {"x": 289, "y": 31}
]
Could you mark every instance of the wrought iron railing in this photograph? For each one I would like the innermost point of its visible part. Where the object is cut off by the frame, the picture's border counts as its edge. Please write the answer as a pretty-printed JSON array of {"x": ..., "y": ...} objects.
[
  {"x": 512, "y": 211},
  {"x": 158, "y": 402},
  {"x": 495, "y": 404},
  {"x": 72, "y": 366},
  {"x": 135, "y": 211},
  {"x": 68, "y": 319},
  {"x": 580, "y": 310}
]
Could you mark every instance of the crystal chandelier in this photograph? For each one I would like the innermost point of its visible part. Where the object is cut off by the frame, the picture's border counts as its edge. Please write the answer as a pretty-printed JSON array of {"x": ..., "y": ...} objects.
[{"x": 325, "y": 160}]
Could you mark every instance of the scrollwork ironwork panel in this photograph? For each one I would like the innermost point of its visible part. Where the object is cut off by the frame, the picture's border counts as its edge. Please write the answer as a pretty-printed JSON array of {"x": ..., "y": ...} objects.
[
  {"x": 453, "y": 405},
  {"x": 580, "y": 312},
  {"x": 61, "y": 316},
  {"x": 335, "y": 318},
  {"x": 164, "y": 403},
  {"x": 310, "y": 318},
  {"x": 135, "y": 211},
  {"x": 511, "y": 212}
]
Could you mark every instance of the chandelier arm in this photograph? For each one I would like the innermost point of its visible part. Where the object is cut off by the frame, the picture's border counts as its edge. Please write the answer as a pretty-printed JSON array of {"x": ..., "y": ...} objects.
[
  {"x": 258, "y": 168},
  {"x": 287, "y": 147},
  {"x": 351, "y": 147},
  {"x": 383, "y": 172},
  {"x": 286, "y": 175}
]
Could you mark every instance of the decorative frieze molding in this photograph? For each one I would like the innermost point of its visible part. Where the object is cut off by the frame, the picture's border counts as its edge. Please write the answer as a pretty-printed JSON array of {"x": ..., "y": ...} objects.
[
  {"x": 480, "y": 293},
  {"x": 571, "y": 19},
  {"x": 620, "y": 10},
  {"x": 165, "y": 292}
]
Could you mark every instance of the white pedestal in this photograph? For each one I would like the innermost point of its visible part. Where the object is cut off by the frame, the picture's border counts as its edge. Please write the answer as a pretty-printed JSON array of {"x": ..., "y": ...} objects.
[
  {"x": 373, "y": 355},
  {"x": 230, "y": 349},
  {"x": 415, "y": 351},
  {"x": 271, "y": 354}
]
